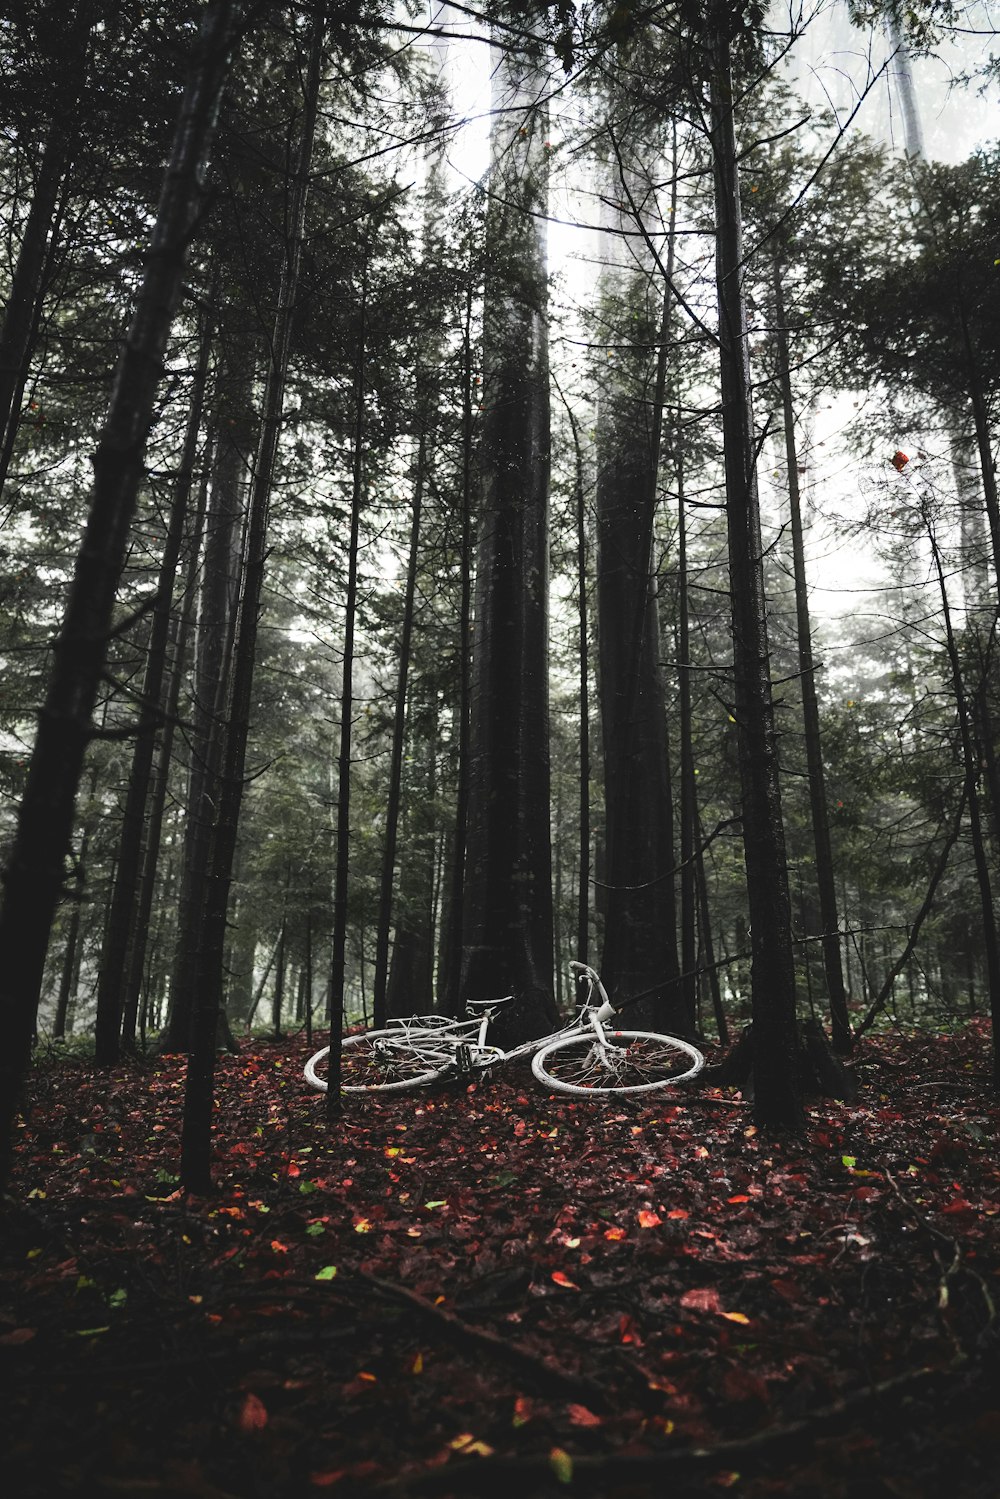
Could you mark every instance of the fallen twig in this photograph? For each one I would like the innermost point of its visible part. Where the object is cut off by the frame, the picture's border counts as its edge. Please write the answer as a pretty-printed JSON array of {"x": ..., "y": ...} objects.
[{"x": 543, "y": 1375}]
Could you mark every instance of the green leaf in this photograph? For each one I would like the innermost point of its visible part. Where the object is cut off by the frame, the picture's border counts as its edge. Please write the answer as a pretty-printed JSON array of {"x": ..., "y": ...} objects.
[
  {"x": 315, "y": 1229},
  {"x": 118, "y": 1298},
  {"x": 439, "y": 1202},
  {"x": 306, "y": 1187},
  {"x": 561, "y": 1464},
  {"x": 849, "y": 1161},
  {"x": 327, "y": 1272},
  {"x": 90, "y": 1332}
]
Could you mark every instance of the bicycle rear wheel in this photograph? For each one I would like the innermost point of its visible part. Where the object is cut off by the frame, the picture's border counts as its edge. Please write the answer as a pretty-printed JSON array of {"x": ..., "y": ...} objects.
[
  {"x": 624, "y": 1062},
  {"x": 379, "y": 1062}
]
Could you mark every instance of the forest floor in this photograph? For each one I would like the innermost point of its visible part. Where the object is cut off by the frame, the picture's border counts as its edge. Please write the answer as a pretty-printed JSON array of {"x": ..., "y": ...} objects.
[{"x": 495, "y": 1291}]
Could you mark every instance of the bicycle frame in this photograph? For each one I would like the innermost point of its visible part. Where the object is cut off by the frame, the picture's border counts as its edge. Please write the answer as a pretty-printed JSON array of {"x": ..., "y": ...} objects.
[
  {"x": 463, "y": 1042},
  {"x": 422, "y": 1049}
]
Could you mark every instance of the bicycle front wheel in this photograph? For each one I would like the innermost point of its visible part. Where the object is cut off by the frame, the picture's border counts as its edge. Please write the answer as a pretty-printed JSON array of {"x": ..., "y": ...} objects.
[
  {"x": 379, "y": 1062},
  {"x": 623, "y": 1062}
]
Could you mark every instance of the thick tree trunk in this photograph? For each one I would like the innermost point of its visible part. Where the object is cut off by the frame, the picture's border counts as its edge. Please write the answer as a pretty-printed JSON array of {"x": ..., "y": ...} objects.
[
  {"x": 35, "y": 867},
  {"x": 507, "y": 916},
  {"x": 121, "y": 929},
  {"x": 826, "y": 888},
  {"x": 640, "y": 934},
  {"x": 777, "y": 1100}
]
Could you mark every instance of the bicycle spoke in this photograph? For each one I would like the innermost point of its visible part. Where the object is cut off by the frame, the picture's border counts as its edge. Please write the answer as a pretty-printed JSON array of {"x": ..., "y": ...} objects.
[{"x": 627, "y": 1061}]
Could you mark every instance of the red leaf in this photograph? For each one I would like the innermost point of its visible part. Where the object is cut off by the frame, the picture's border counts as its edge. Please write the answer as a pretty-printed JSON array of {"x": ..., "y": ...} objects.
[
  {"x": 702, "y": 1299},
  {"x": 648, "y": 1219},
  {"x": 563, "y": 1280},
  {"x": 579, "y": 1415},
  {"x": 253, "y": 1413}
]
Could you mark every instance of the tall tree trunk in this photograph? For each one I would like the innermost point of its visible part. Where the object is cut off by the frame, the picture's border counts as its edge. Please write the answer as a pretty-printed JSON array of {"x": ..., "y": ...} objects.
[
  {"x": 160, "y": 780},
  {"x": 777, "y": 1101},
  {"x": 213, "y": 654},
  {"x": 121, "y": 928},
  {"x": 507, "y": 915},
  {"x": 207, "y": 1007},
  {"x": 35, "y": 867},
  {"x": 971, "y": 768},
  {"x": 582, "y": 942},
  {"x": 450, "y": 983},
  {"x": 398, "y": 735},
  {"x": 826, "y": 888},
  {"x": 707, "y": 941},
  {"x": 23, "y": 305},
  {"x": 583, "y": 647},
  {"x": 277, "y": 1003},
  {"x": 411, "y": 978},
  {"x": 338, "y": 955},
  {"x": 70, "y": 972},
  {"x": 913, "y": 135},
  {"x": 640, "y": 936},
  {"x": 688, "y": 798}
]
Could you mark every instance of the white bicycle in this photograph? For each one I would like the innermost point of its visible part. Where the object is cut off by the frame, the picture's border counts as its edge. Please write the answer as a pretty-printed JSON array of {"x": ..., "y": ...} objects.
[{"x": 585, "y": 1058}]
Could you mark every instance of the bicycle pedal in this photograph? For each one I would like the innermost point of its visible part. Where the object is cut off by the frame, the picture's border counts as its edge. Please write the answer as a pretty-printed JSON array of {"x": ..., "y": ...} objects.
[{"x": 463, "y": 1060}]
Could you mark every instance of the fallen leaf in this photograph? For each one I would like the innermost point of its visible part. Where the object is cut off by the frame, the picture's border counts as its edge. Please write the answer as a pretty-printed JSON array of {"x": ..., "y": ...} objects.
[
  {"x": 253, "y": 1413},
  {"x": 561, "y": 1464},
  {"x": 702, "y": 1299},
  {"x": 579, "y": 1415}
]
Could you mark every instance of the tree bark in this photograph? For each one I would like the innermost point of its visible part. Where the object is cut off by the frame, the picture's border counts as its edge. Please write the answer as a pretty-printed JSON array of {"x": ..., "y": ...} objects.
[
  {"x": 160, "y": 781},
  {"x": 826, "y": 888},
  {"x": 507, "y": 916},
  {"x": 213, "y": 656},
  {"x": 971, "y": 768},
  {"x": 121, "y": 929},
  {"x": 450, "y": 981},
  {"x": 21, "y": 315},
  {"x": 207, "y": 1007},
  {"x": 338, "y": 955},
  {"x": 640, "y": 934},
  {"x": 35, "y": 867},
  {"x": 398, "y": 734},
  {"x": 777, "y": 1102}
]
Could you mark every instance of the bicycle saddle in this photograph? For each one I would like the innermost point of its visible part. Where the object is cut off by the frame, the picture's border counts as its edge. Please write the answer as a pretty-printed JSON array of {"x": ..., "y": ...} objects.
[{"x": 488, "y": 1004}]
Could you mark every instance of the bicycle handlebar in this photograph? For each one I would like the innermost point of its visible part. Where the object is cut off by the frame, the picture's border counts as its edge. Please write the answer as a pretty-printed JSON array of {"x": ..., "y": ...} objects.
[{"x": 605, "y": 1009}]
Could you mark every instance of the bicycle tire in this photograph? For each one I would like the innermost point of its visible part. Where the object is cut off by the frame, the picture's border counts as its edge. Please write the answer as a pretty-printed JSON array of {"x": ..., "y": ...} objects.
[
  {"x": 581, "y": 1075},
  {"x": 372, "y": 1070}
]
